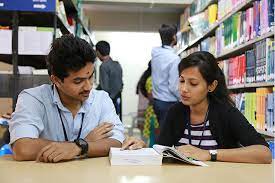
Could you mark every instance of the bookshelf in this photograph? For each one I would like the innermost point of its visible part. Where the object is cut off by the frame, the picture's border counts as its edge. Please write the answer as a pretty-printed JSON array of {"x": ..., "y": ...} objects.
[
  {"x": 232, "y": 50},
  {"x": 251, "y": 85},
  {"x": 32, "y": 14},
  {"x": 211, "y": 30},
  {"x": 243, "y": 47}
]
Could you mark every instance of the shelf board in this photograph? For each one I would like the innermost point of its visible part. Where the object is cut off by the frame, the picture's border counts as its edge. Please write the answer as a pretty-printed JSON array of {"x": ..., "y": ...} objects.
[
  {"x": 251, "y": 85},
  {"x": 243, "y": 47},
  {"x": 36, "y": 61},
  {"x": 212, "y": 29},
  {"x": 266, "y": 133},
  {"x": 39, "y": 19},
  {"x": 23, "y": 81}
]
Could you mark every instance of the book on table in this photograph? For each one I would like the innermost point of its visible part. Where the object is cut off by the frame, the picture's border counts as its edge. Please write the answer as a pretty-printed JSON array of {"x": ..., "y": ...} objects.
[{"x": 149, "y": 156}]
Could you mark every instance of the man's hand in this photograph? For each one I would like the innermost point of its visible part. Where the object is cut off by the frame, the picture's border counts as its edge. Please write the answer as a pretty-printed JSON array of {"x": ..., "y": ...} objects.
[
  {"x": 7, "y": 116},
  {"x": 101, "y": 132},
  {"x": 194, "y": 152},
  {"x": 58, "y": 151},
  {"x": 132, "y": 143}
]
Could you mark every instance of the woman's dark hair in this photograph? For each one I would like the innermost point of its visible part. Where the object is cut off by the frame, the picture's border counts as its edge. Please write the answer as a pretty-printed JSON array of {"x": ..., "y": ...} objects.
[
  {"x": 69, "y": 53},
  {"x": 166, "y": 34},
  {"x": 210, "y": 71},
  {"x": 103, "y": 47},
  {"x": 142, "y": 81}
]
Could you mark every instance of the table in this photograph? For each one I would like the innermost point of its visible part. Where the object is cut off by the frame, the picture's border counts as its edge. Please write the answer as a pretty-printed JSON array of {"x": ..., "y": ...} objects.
[{"x": 98, "y": 170}]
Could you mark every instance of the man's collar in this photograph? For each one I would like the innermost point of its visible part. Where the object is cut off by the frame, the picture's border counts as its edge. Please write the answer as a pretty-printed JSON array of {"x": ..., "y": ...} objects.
[{"x": 84, "y": 107}]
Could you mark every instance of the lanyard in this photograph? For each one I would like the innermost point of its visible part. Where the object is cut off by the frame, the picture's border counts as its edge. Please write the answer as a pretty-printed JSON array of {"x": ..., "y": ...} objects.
[
  {"x": 63, "y": 126},
  {"x": 189, "y": 127}
]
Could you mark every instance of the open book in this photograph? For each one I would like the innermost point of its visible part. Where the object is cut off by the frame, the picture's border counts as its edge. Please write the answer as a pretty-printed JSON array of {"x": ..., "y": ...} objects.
[{"x": 148, "y": 156}]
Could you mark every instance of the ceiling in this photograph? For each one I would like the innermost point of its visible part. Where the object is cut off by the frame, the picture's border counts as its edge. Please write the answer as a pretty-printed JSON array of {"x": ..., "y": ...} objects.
[{"x": 141, "y": 6}]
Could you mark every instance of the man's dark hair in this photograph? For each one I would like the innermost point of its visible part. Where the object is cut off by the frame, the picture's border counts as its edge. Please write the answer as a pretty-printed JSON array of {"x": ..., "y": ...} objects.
[
  {"x": 166, "y": 34},
  {"x": 103, "y": 47},
  {"x": 69, "y": 53}
]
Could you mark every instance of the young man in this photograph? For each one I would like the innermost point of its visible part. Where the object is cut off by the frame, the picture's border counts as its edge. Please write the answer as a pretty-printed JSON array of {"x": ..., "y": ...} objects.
[
  {"x": 165, "y": 73},
  {"x": 110, "y": 74},
  {"x": 68, "y": 119}
]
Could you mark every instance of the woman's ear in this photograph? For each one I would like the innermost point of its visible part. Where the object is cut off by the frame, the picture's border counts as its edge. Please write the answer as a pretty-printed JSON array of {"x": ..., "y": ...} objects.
[{"x": 212, "y": 86}]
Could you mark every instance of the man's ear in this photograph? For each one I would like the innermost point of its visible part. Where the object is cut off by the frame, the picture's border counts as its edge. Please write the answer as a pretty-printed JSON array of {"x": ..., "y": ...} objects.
[
  {"x": 55, "y": 80},
  {"x": 213, "y": 86}
]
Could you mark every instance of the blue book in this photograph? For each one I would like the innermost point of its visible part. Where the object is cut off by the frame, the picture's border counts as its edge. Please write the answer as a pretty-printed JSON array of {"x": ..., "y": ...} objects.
[{"x": 270, "y": 13}]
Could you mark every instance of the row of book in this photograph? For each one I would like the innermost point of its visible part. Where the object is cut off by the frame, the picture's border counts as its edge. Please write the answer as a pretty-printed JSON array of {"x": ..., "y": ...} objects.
[
  {"x": 246, "y": 25},
  {"x": 226, "y": 6},
  {"x": 256, "y": 65},
  {"x": 201, "y": 22},
  {"x": 258, "y": 107}
]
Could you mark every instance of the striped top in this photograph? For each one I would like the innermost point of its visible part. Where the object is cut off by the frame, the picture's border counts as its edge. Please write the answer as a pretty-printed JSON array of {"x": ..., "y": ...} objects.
[{"x": 207, "y": 140}]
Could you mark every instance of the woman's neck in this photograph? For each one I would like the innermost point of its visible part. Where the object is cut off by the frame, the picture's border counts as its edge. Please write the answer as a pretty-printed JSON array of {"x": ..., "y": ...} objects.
[{"x": 198, "y": 111}]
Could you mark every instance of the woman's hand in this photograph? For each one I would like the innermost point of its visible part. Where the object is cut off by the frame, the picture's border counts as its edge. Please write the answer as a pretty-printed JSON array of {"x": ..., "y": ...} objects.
[
  {"x": 194, "y": 152},
  {"x": 132, "y": 143}
]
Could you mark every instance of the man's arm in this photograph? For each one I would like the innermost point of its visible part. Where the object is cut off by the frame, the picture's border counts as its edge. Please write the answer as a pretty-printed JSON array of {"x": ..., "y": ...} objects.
[
  {"x": 26, "y": 149},
  {"x": 102, "y": 147}
]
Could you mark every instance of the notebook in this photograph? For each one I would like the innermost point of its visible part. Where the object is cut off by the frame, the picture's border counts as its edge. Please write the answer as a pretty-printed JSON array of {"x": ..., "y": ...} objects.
[{"x": 149, "y": 156}]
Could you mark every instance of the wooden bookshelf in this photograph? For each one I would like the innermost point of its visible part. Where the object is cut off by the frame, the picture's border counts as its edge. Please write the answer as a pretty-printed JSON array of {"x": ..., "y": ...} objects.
[
  {"x": 243, "y": 47},
  {"x": 251, "y": 85},
  {"x": 266, "y": 133},
  {"x": 212, "y": 29}
]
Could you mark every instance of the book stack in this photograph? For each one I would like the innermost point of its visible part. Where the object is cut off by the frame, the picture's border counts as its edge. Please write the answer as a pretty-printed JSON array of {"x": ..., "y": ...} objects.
[
  {"x": 261, "y": 96},
  {"x": 209, "y": 44},
  {"x": 264, "y": 52},
  {"x": 226, "y": 6},
  {"x": 236, "y": 70},
  {"x": 5, "y": 37},
  {"x": 256, "y": 65},
  {"x": 34, "y": 40},
  {"x": 246, "y": 25},
  {"x": 257, "y": 107}
]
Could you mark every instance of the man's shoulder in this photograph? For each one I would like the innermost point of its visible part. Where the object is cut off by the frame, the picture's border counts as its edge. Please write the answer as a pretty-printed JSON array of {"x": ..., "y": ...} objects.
[
  {"x": 39, "y": 92},
  {"x": 98, "y": 95}
]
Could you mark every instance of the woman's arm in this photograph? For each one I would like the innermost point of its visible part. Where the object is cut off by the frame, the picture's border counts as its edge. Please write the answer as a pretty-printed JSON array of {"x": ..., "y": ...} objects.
[{"x": 249, "y": 154}]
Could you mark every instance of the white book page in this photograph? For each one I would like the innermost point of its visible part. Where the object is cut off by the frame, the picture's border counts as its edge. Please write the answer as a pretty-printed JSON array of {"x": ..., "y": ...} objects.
[{"x": 173, "y": 153}]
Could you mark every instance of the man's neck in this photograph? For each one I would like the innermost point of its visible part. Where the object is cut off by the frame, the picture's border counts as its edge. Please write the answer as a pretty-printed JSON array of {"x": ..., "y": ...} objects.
[
  {"x": 69, "y": 103},
  {"x": 106, "y": 58}
]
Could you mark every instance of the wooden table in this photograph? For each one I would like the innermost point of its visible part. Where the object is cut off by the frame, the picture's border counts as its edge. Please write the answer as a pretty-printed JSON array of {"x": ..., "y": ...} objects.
[{"x": 98, "y": 170}]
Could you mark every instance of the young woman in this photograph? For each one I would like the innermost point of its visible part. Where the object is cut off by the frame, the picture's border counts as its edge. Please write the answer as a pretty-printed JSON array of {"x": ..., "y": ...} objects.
[{"x": 205, "y": 125}]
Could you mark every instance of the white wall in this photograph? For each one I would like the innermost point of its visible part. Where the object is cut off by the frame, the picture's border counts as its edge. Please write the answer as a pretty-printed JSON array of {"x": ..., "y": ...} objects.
[{"x": 133, "y": 51}]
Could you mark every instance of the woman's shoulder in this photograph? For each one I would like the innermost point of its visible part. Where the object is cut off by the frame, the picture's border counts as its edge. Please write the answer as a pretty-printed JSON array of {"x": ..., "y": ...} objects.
[{"x": 177, "y": 109}]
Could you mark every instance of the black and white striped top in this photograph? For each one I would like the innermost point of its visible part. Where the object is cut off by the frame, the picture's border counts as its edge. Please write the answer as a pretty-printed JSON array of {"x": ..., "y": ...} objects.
[{"x": 207, "y": 140}]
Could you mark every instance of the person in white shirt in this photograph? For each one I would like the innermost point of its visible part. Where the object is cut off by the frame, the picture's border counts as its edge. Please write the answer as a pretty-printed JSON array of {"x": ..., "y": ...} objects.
[
  {"x": 67, "y": 119},
  {"x": 165, "y": 73}
]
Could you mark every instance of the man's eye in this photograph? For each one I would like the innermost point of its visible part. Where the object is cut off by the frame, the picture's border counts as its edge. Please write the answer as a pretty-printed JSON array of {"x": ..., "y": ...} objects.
[
  {"x": 182, "y": 81},
  {"x": 194, "y": 84},
  {"x": 77, "y": 82}
]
